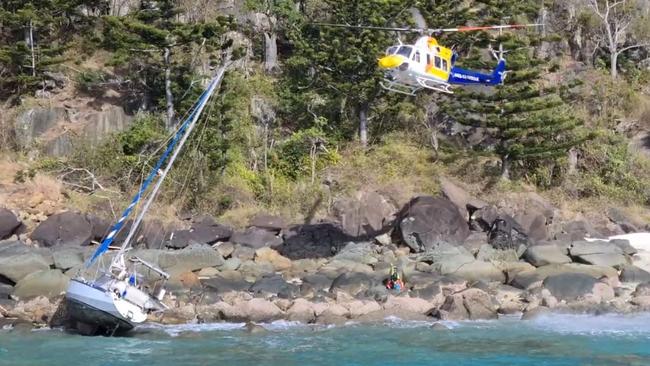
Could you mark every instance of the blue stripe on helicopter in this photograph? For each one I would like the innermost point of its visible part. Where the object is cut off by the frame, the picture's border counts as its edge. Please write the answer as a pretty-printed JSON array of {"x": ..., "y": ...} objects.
[{"x": 464, "y": 77}]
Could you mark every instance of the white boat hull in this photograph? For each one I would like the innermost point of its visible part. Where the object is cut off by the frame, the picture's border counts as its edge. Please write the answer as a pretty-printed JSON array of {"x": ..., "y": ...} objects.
[{"x": 94, "y": 310}]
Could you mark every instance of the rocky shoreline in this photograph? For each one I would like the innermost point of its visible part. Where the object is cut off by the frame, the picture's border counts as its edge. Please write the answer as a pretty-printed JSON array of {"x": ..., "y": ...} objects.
[{"x": 460, "y": 258}]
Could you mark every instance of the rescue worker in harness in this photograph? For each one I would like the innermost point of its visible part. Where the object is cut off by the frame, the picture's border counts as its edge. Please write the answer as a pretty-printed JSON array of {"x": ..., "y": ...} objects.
[{"x": 394, "y": 281}]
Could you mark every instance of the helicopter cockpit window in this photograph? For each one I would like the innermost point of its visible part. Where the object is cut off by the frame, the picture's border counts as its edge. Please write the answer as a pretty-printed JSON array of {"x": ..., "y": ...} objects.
[
  {"x": 405, "y": 51},
  {"x": 416, "y": 56},
  {"x": 437, "y": 60},
  {"x": 392, "y": 50}
]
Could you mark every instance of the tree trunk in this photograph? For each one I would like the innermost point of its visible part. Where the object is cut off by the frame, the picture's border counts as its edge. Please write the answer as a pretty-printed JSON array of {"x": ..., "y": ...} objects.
[
  {"x": 168, "y": 91},
  {"x": 271, "y": 51},
  {"x": 30, "y": 39},
  {"x": 573, "y": 161},
  {"x": 613, "y": 57},
  {"x": 505, "y": 167},
  {"x": 363, "y": 124}
]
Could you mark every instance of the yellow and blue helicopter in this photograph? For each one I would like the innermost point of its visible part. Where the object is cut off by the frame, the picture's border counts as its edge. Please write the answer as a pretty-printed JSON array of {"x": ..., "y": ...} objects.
[{"x": 426, "y": 64}]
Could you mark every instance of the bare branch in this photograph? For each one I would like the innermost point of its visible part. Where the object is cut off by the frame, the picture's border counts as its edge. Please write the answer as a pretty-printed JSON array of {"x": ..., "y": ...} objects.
[{"x": 641, "y": 45}]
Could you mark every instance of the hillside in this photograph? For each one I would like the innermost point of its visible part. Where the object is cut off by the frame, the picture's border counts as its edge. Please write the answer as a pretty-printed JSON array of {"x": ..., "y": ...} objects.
[{"x": 81, "y": 119}]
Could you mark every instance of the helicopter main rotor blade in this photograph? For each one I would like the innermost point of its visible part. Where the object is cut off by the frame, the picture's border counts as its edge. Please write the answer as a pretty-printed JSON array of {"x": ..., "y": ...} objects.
[
  {"x": 479, "y": 28},
  {"x": 431, "y": 30},
  {"x": 371, "y": 27}
]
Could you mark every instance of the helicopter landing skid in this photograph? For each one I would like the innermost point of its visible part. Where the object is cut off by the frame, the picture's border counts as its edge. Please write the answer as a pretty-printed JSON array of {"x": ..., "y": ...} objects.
[
  {"x": 434, "y": 85},
  {"x": 397, "y": 87}
]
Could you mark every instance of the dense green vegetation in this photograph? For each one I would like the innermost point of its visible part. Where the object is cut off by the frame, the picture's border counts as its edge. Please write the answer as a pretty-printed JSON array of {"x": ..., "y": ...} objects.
[{"x": 302, "y": 105}]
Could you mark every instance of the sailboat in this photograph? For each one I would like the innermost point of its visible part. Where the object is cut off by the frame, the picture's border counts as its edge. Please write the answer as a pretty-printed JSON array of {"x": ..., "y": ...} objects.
[{"x": 114, "y": 299}]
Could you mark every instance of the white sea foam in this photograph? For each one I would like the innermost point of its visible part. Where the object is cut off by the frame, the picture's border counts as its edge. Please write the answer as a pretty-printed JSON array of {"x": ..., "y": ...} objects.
[
  {"x": 612, "y": 324},
  {"x": 175, "y": 330}
]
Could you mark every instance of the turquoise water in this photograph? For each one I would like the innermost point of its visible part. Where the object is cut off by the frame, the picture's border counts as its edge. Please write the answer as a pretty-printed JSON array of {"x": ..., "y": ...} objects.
[{"x": 552, "y": 340}]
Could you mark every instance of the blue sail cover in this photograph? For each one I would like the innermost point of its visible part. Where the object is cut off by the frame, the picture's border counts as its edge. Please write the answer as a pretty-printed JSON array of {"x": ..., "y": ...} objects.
[{"x": 118, "y": 225}]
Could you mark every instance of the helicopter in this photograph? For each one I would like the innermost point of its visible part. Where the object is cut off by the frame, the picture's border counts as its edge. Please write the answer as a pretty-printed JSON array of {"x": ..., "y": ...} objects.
[{"x": 409, "y": 68}]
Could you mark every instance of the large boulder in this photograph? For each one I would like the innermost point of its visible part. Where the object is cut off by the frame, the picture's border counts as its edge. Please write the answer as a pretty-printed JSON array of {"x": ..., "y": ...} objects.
[
  {"x": 473, "y": 304},
  {"x": 620, "y": 218},
  {"x": 222, "y": 285},
  {"x": 351, "y": 283},
  {"x": 268, "y": 222},
  {"x": 365, "y": 215},
  {"x": 8, "y": 223},
  {"x": 209, "y": 232},
  {"x": 256, "y": 238},
  {"x": 313, "y": 241},
  {"x": 569, "y": 286},
  {"x": 459, "y": 197},
  {"x": 533, "y": 278},
  {"x": 48, "y": 283},
  {"x": 634, "y": 274},
  {"x": 275, "y": 285},
  {"x": 447, "y": 259},
  {"x": 67, "y": 258},
  {"x": 426, "y": 221},
  {"x": 192, "y": 258},
  {"x": 364, "y": 252},
  {"x": 66, "y": 228},
  {"x": 18, "y": 260},
  {"x": 600, "y": 253},
  {"x": 506, "y": 233},
  {"x": 279, "y": 262},
  {"x": 541, "y": 255}
]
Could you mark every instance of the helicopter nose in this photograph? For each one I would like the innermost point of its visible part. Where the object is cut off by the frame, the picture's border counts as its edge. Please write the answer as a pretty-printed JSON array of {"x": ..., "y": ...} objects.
[{"x": 390, "y": 61}]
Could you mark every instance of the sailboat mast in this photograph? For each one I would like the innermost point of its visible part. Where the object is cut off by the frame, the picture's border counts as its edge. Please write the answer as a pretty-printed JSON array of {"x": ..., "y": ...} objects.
[{"x": 196, "y": 114}]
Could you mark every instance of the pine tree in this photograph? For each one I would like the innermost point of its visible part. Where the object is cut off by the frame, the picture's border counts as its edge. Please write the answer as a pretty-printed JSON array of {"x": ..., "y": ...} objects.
[
  {"x": 337, "y": 67},
  {"x": 33, "y": 36},
  {"x": 528, "y": 119},
  {"x": 145, "y": 43}
]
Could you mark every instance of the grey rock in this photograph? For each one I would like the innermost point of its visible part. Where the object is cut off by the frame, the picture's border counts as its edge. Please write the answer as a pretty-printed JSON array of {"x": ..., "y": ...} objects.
[
  {"x": 48, "y": 283},
  {"x": 620, "y": 218},
  {"x": 66, "y": 228},
  {"x": 317, "y": 281},
  {"x": 541, "y": 255},
  {"x": 8, "y": 223},
  {"x": 209, "y": 232},
  {"x": 100, "y": 226},
  {"x": 192, "y": 258},
  {"x": 17, "y": 260},
  {"x": 625, "y": 246},
  {"x": 526, "y": 279},
  {"x": 631, "y": 273},
  {"x": 579, "y": 248},
  {"x": 609, "y": 260},
  {"x": 313, "y": 241},
  {"x": 488, "y": 253},
  {"x": 5, "y": 291},
  {"x": 222, "y": 285},
  {"x": 67, "y": 258},
  {"x": 569, "y": 286},
  {"x": 478, "y": 270},
  {"x": 256, "y": 238},
  {"x": 427, "y": 221},
  {"x": 275, "y": 285},
  {"x": 256, "y": 270},
  {"x": 351, "y": 283},
  {"x": 243, "y": 253},
  {"x": 364, "y": 252},
  {"x": 268, "y": 222},
  {"x": 226, "y": 249},
  {"x": 231, "y": 264},
  {"x": 365, "y": 215}
]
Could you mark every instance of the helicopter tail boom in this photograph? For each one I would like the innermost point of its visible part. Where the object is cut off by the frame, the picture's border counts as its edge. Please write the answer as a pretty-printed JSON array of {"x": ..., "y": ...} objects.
[{"x": 462, "y": 76}]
